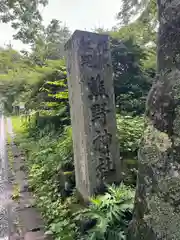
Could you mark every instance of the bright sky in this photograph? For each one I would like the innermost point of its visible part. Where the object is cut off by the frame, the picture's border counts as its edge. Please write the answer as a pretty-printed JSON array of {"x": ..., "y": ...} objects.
[{"x": 76, "y": 14}]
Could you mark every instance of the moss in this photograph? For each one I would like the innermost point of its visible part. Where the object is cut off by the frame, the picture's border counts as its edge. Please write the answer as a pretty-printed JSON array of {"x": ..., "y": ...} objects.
[
  {"x": 16, "y": 192},
  {"x": 162, "y": 219},
  {"x": 154, "y": 137},
  {"x": 154, "y": 144},
  {"x": 158, "y": 195}
]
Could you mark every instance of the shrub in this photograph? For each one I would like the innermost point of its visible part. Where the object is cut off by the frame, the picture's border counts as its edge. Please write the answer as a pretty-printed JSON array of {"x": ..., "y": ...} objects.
[
  {"x": 111, "y": 212},
  {"x": 50, "y": 163},
  {"x": 130, "y": 130}
]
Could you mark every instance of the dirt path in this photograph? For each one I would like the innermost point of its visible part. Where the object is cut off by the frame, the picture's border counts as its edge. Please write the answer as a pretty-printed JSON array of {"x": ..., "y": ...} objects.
[{"x": 30, "y": 224}]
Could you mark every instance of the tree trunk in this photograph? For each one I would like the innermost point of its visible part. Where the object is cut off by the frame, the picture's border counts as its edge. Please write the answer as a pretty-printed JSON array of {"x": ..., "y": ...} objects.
[{"x": 157, "y": 202}]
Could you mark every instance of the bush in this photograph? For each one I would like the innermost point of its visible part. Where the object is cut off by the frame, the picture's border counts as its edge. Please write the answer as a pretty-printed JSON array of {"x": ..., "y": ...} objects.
[
  {"x": 47, "y": 157},
  {"x": 111, "y": 213},
  {"x": 51, "y": 176},
  {"x": 130, "y": 130}
]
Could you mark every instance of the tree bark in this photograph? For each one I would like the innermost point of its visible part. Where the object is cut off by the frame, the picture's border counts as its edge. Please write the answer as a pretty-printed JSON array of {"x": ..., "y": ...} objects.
[{"x": 157, "y": 201}]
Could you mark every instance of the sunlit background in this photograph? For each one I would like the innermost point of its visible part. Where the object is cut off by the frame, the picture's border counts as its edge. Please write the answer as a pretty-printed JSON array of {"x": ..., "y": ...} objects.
[{"x": 79, "y": 14}]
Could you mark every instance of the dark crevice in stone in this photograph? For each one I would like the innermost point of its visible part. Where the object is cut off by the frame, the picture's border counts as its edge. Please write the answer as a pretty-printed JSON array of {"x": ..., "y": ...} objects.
[{"x": 35, "y": 229}]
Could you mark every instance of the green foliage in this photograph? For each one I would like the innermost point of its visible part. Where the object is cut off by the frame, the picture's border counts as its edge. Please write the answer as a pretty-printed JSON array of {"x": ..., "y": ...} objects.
[
  {"x": 65, "y": 147},
  {"x": 112, "y": 213},
  {"x": 139, "y": 21},
  {"x": 40, "y": 76},
  {"x": 22, "y": 81},
  {"x": 134, "y": 66},
  {"x": 134, "y": 63},
  {"x": 144, "y": 12},
  {"x": 39, "y": 79},
  {"x": 24, "y": 16},
  {"x": 18, "y": 125},
  {"x": 131, "y": 80},
  {"x": 50, "y": 44},
  {"x": 131, "y": 8},
  {"x": 50, "y": 165},
  {"x": 129, "y": 133},
  {"x": 130, "y": 130},
  {"x": 51, "y": 87},
  {"x": 46, "y": 179}
]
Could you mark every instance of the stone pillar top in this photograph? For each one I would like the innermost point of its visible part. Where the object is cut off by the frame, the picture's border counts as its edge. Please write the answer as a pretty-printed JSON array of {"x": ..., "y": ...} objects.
[{"x": 81, "y": 33}]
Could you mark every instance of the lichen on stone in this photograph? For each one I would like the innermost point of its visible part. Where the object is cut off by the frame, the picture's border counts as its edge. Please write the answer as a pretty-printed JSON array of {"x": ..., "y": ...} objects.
[
  {"x": 153, "y": 144},
  {"x": 162, "y": 219}
]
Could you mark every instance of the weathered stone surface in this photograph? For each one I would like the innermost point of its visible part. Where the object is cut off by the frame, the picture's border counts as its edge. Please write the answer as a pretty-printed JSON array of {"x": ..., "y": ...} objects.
[
  {"x": 15, "y": 236},
  {"x": 39, "y": 235},
  {"x": 30, "y": 219},
  {"x": 91, "y": 97},
  {"x": 157, "y": 203}
]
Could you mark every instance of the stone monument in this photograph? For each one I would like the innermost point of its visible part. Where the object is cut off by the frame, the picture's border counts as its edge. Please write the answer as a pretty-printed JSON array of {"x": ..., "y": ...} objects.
[{"x": 91, "y": 98}]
